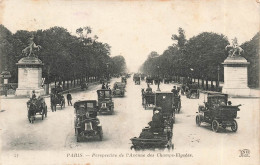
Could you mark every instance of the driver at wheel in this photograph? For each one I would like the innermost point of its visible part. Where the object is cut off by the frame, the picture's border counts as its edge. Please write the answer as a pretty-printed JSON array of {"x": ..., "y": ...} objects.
[
  {"x": 149, "y": 89},
  {"x": 174, "y": 91}
]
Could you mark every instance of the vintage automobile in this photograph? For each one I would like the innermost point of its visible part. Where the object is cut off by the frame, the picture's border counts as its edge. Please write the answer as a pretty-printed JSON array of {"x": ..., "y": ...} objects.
[
  {"x": 123, "y": 79},
  {"x": 148, "y": 99},
  {"x": 149, "y": 80},
  {"x": 118, "y": 89},
  {"x": 56, "y": 99},
  {"x": 217, "y": 112},
  {"x": 36, "y": 106},
  {"x": 87, "y": 125},
  {"x": 193, "y": 93},
  {"x": 167, "y": 80},
  {"x": 105, "y": 102},
  {"x": 142, "y": 77},
  {"x": 84, "y": 86},
  {"x": 158, "y": 135},
  {"x": 165, "y": 100},
  {"x": 157, "y": 80},
  {"x": 137, "y": 80}
]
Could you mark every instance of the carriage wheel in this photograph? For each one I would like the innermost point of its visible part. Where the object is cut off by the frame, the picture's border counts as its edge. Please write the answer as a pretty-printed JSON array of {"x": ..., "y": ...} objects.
[
  {"x": 46, "y": 111},
  {"x": 234, "y": 126},
  {"x": 198, "y": 121},
  {"x": 137, "y": 148},
  {"x": 215, "y": 125},
  {"x": 179, "y": 107},
  {"x": 100, "y": 136},
  {"x": 29, "y": 119}
]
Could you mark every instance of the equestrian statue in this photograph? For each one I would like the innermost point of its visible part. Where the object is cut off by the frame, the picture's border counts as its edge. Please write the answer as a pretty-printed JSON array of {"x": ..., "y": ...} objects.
[
  {"x": 234, "y": 49},
  {"x": 30, "y": 50}
]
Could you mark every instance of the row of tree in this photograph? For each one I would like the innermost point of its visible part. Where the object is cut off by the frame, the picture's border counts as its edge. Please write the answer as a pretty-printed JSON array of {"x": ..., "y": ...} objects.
[
  {"x": 200, "y": 58},
  {"x": 66, "y": 57}
]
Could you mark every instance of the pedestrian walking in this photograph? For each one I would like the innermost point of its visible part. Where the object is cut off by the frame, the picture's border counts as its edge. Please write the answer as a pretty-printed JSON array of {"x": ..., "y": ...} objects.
[{"x": 69, "y": 98}]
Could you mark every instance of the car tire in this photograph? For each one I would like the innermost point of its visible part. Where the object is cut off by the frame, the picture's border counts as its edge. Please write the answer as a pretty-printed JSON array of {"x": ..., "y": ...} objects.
[{"x": 215, "y": 125}]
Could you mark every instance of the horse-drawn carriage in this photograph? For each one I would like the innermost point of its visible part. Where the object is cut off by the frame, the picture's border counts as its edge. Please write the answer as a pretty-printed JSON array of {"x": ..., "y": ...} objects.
[
  {"x": 148, "y": 99},
  {"x": 218, "y": 112},
  {"x": 56, "y": 99},
  {"x": 105, "y": 102},
  {"x": 118, "y": 89},
  {"x": 158, "y": 135},
  {"x": 193, "y": 93},
  {"x": 87, "y": 125},
  {"x": 36, "y": 106}
]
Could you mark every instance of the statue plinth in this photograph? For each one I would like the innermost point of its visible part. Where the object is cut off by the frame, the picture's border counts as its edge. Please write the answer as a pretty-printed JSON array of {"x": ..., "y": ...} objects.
[
  {"x": 29, "y": 76},
  {"x": 235, "y": 76}
]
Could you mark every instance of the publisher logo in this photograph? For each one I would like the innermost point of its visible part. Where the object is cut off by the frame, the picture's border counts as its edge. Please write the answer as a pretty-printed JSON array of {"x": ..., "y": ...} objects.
[{"x": 244, "y": 153}]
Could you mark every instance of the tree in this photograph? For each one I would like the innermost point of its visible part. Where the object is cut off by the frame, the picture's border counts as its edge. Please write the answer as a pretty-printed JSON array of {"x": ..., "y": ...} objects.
[{"x": 251, "y": 53}]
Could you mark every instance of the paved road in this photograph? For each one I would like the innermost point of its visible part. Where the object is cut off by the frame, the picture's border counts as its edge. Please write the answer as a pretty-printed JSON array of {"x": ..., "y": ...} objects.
[{"x": 56, "y": 132}]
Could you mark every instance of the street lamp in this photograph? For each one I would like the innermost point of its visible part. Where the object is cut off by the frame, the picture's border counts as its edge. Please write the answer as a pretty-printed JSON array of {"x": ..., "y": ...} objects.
[
  {"x": 107, "y": 64},
  {"x": 5, "y": 75},
  {"x": 191, "y": 69},
  {"x": 218, "y": 76},
  {"x": 158, "y": 83}
]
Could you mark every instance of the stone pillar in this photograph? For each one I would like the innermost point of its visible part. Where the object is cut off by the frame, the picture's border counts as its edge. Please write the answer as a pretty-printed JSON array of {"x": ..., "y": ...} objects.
[
  {"x": 29, "y": 76},
  {"x": 235, "y": 76}
]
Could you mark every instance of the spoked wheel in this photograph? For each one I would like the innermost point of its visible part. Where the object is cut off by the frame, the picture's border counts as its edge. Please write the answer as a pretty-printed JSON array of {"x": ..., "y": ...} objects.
[
  {"x": 179, "y": 107},
  {"x": 198, "y": 121},
  {"x": 46, "y": 111},
  {"x": 215, "y": 125},
  {"x": 100, "y": 136},
  {"x": 234, "y": 126},
  {"x": 138, "y": 148}
]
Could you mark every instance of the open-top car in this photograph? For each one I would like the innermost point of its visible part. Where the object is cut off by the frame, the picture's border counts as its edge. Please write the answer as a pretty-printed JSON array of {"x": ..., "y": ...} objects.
[
  {"x": 218, "y": 112},
  {"x": 118, "y": 89},
  {"x": 158, "y": 135},
  {"x": 105, "y": 102},
  {"x": 87, "y": 125}
]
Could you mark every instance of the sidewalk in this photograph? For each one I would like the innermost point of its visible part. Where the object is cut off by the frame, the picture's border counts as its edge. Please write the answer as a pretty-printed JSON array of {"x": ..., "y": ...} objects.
[
  {"x": 77, "y": 88},
  {"x": 254, "y": 93}
]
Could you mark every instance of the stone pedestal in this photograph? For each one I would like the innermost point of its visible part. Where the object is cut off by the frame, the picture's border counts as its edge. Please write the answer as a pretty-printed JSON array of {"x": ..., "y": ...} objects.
[
  {"x": 29, "y": 76},
  {"x": 235, "y": 76}
]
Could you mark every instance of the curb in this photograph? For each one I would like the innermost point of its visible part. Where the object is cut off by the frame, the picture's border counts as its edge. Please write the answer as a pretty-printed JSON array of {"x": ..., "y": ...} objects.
[{"x": 44, "y": 96}]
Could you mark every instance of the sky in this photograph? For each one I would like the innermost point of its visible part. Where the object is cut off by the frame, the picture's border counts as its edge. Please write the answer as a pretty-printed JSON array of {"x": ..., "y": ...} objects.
[{"x": 133, "y": 29}]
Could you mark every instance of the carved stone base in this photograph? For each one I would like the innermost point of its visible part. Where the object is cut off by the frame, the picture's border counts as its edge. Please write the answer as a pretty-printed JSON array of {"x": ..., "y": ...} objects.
[{"x": 28, "y": 92}]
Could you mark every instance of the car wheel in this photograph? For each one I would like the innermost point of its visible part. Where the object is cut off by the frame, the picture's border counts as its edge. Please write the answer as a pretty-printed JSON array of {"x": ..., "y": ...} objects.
[
  {"x": 215, "y": 125},
  {"x": 198, "y": 121},
  {"x": 234, "y": 126}
]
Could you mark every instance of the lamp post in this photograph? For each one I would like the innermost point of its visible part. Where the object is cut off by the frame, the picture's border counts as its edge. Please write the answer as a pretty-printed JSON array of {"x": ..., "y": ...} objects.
[
  {"x": 218, "y": 76},
  {"x": 158, "y": 83},
  {"x": 107, "y": 64},
  {"x": 191, "y": 69},
  {"x": 5, "y": 75}
]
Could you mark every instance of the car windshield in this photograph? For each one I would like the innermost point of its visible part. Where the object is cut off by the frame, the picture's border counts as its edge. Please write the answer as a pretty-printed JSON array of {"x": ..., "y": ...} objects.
[
  {"x": 90, "y": 105},
  {"x": 107, "y": 94}
]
